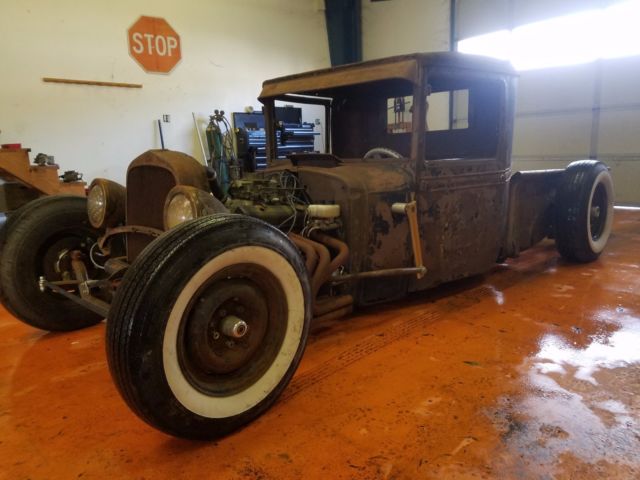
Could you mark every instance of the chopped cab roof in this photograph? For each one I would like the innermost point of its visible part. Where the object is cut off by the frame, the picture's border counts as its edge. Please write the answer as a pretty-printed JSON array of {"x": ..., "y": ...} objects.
[{"x": 405, "y": 67}]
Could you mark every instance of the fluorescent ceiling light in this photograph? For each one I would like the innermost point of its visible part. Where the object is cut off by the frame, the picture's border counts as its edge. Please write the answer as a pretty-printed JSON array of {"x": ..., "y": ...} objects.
[{"x": 568, "y": 40}]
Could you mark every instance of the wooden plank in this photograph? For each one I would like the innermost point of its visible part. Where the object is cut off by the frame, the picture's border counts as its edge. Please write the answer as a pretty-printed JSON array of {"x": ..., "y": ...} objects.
[
  {"x": 14, "y": 165},
  {"x": 91, "y": 82}
]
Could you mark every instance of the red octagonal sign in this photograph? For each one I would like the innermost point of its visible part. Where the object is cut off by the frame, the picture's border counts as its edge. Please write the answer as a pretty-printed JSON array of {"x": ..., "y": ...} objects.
[{"x": 154, "y": 44}]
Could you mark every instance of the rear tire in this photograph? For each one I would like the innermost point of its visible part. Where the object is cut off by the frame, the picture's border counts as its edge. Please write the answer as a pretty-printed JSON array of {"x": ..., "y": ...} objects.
[
  {"x": 34, "y": 238},
  {"x": 167, "y": 349},
  {"x": 584, "y": 211}
]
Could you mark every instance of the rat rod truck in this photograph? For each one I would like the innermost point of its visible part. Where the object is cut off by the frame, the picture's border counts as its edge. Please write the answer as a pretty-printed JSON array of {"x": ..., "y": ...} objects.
[{"x": 209, "y": 300}]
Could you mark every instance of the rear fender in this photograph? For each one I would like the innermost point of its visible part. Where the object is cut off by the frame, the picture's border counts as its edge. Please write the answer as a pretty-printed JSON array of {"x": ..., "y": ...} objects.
[{"x": 531, "y": 202}]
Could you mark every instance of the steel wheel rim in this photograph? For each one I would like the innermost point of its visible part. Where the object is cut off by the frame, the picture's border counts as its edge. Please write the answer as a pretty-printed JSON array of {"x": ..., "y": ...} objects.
[
  {"x": 207, "y": 361},
  {"x": 598, "y": 212}
]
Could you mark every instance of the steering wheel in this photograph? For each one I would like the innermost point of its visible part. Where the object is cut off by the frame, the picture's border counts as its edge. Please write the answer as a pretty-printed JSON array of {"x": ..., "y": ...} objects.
[{"x": 379, "y": 153}]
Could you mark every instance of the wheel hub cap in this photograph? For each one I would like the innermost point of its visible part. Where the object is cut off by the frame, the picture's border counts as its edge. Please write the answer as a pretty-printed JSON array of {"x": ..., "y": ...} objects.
[
  {"x": 234, "y": 327},
  {"x": 217, "y": 339}
]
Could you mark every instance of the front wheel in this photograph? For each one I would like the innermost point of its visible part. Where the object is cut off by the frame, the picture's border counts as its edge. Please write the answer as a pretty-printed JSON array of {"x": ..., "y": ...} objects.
[
  {"x": 38, "y": 239},
  {"x": 584, "y": 211},
  {"x": 208, "y": 325},
  {"x": 5, "y": 230}
]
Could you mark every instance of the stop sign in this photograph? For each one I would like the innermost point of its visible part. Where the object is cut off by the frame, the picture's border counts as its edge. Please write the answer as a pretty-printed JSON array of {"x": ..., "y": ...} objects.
[{"x": 154, "y": 44}]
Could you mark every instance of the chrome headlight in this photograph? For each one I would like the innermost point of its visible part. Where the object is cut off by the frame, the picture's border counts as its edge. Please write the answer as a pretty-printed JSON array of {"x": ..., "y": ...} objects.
[
  {"x": 105, "y": 203},
  {"x": 186, "y": 203}
]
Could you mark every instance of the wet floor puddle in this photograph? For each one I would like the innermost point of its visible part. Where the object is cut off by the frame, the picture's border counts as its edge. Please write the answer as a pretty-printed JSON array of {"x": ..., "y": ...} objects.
[{"x": 580, "y": 408}]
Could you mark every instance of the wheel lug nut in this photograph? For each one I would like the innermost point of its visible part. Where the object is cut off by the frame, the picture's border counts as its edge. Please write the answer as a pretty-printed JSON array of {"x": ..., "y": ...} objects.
[
  {"x": 216, "y": 335},
  {"x": 230, "y": 343}
]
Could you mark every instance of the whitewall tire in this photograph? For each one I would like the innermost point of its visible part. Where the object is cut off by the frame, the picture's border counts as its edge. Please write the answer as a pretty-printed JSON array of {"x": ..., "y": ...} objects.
[
  {"x": 584, "y": 211},
  {"x": 208, "y": 325}
]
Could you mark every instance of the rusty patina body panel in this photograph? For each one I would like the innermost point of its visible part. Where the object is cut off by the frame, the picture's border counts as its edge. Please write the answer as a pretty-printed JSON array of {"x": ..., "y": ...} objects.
[
  {"x": 459, "y": 178},
  {"x": 150, "y": 177},
  {"x": 471, "y": 209},
  {"x": 468, "y": 216},
  {"x": 462, "y": 207},
  {"x": 365, "y": 191}
]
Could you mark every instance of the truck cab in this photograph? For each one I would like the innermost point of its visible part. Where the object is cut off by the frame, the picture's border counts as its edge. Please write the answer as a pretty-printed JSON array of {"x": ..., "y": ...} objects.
[{"x": 435, "y": 129}]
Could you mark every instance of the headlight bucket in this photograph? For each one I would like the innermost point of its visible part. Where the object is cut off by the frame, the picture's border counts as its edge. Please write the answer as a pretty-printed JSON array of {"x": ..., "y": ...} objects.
[
  {"x": 106, "y": 203},
  {"x": 184, "y": 203}
]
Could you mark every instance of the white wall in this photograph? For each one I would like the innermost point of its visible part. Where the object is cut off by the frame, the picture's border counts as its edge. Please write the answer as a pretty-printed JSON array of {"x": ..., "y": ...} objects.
[
  {"x": 570, "y": 113},
  {"x": 404, "y": 26},
  {"x": 228, "y": 49}
]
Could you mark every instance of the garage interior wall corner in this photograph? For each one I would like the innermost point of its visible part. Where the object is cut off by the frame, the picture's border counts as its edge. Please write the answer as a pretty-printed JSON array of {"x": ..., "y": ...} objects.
[
  {"x": 228, "y": 49},
  {"x": 344, "y": 29}
]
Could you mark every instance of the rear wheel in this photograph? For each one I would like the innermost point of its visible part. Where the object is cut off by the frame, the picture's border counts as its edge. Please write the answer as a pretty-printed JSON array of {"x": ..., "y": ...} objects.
[
  {"x": 37, "y": 239},
  {"x": 208, "y": 325},
  {"x": 584, "y": 211}
]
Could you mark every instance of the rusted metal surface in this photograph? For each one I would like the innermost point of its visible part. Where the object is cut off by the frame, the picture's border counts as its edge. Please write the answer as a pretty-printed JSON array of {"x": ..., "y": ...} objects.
[
  {"x": 459, "y": 177},
  {"x": 467, "y": 209},
  {"x": 328, "y": 305},
  {"x": 341, "y": 77},
  {"x": 416, "y": 244},
  {"x": 319, "y": 274},
  {"x": 333, "y": 315},
  {"x": 115, "y": 201},
  {"x": 82, "y": 282},
  {"x": 150, "y": 177},
  {"x": 365, "y": 192},
  {"x": 462, "y": 206},
  {"x": 341, "y": 257},
  {"x": 403, "y": 66},
  {"x": 462, "y": 215},
  {"x": 321, "y": 266},
  {"x": 141, "y": 230},
  {"x": 92, "y": 304},
  {"x": 530, "y": 216},
  {"x": 116, "y": 266},
  {"x": 310, "y": 255},
  {"x": 389, "y": 272}
]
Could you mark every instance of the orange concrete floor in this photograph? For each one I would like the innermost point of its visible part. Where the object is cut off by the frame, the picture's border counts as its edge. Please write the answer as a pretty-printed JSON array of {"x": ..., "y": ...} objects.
[{"x": 532, "y": 371}]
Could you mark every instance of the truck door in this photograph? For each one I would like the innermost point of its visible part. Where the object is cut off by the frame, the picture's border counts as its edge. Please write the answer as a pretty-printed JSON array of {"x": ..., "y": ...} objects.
[{"x": 462, "y": 181}]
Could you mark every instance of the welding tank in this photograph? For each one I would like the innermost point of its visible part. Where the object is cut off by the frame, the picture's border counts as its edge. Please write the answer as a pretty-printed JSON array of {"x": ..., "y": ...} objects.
[{"x": 216, "y": 153}]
